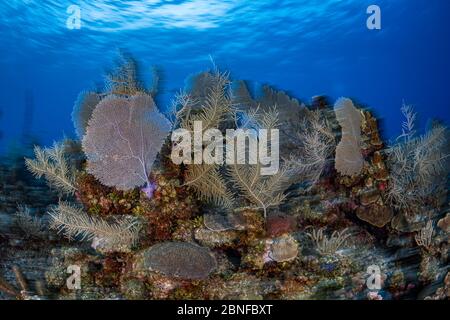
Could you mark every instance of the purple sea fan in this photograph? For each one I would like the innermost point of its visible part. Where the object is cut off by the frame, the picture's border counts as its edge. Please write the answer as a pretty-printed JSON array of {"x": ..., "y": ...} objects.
[{"x": 122, "y": 140}]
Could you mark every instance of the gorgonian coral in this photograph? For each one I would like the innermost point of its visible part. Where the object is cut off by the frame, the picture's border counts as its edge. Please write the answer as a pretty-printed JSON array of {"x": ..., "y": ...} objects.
[
  {"x": 123, "y": 139},
  {"x": 314, "y": 145},
  {"x": 82, "y": 110},
  {"x": 53, "y": 164},
  {"x": 220, "y": 184},
  {"x": 74, "y": 223},
  {"x": 417, "y": 164}
]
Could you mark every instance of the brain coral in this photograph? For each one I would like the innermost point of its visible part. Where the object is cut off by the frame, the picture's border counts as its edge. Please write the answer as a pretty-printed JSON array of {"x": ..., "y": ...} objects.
[
  {"x": 349, "y": 160},
  {"x": 180, "y": 259},
  {"x": 122, "y": 140}
]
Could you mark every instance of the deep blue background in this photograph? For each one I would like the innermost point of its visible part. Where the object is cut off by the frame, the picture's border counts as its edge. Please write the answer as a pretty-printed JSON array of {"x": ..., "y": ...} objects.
[{"x": 304, "y": 47}]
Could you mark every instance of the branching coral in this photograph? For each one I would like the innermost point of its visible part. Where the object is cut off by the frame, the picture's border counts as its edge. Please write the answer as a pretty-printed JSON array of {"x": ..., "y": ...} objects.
[
  {"x": 290, "y": 112},
  {"x": 123, "y": 80},
  {"x": 219, "y": 183},
  {"x": 408, "y": 130},
  {"x": 52, "y": 164},
  {"x": 23, "y": 292},
  {"x": 417, "y": 164},
  {"x": 315, "y": 143},
  {"x": 306, "y": 142},
  {"x": 74, "y": 223},
  {"x": 205, "y": 179},
  {"x": 210, "y": 185},
  {"x": 262, "y": 191},
  {"x": 215, "y": 106},
  {"x": 31, "y": 225},
  {"x": 424, "y": 237},
  {"x": 328, "y": 245},
  {"x": 123, "y": 139}
]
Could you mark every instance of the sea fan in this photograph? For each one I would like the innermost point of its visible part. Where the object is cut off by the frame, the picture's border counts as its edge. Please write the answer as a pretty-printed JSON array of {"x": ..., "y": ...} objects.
[
  {"x": 290, "y": 111},
  {"x": 82, "y": 111},
  {"x": 200, "y": 86},
  {"x": 349, "y": 160},
  {"x": 123, "y": 139}
]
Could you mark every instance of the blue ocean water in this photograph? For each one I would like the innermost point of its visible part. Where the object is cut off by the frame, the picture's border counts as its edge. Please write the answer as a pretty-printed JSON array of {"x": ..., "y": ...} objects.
[{"x": 306, "y": 48}]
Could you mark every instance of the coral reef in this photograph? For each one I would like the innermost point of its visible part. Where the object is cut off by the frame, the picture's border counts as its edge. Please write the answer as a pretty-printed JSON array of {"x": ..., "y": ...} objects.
[{"x": 136, "y": 225}]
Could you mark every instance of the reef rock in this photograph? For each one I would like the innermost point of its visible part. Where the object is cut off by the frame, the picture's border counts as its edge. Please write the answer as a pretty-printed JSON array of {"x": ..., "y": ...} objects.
[
  {"x": 278, "y": 225},
  {"x": 213, "y": 239},
  {"x": 242, "y": 286},
  {"x": 218, "y": 222},
  {"x": 401, "y": 223},
  {"x": 177, "y": 259},
  {"x": 377, "y": 215},
  {"x": 444, "y": 223},
  {"x": 283, "y": 249},
  {"x": 369, "y": 197}
]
